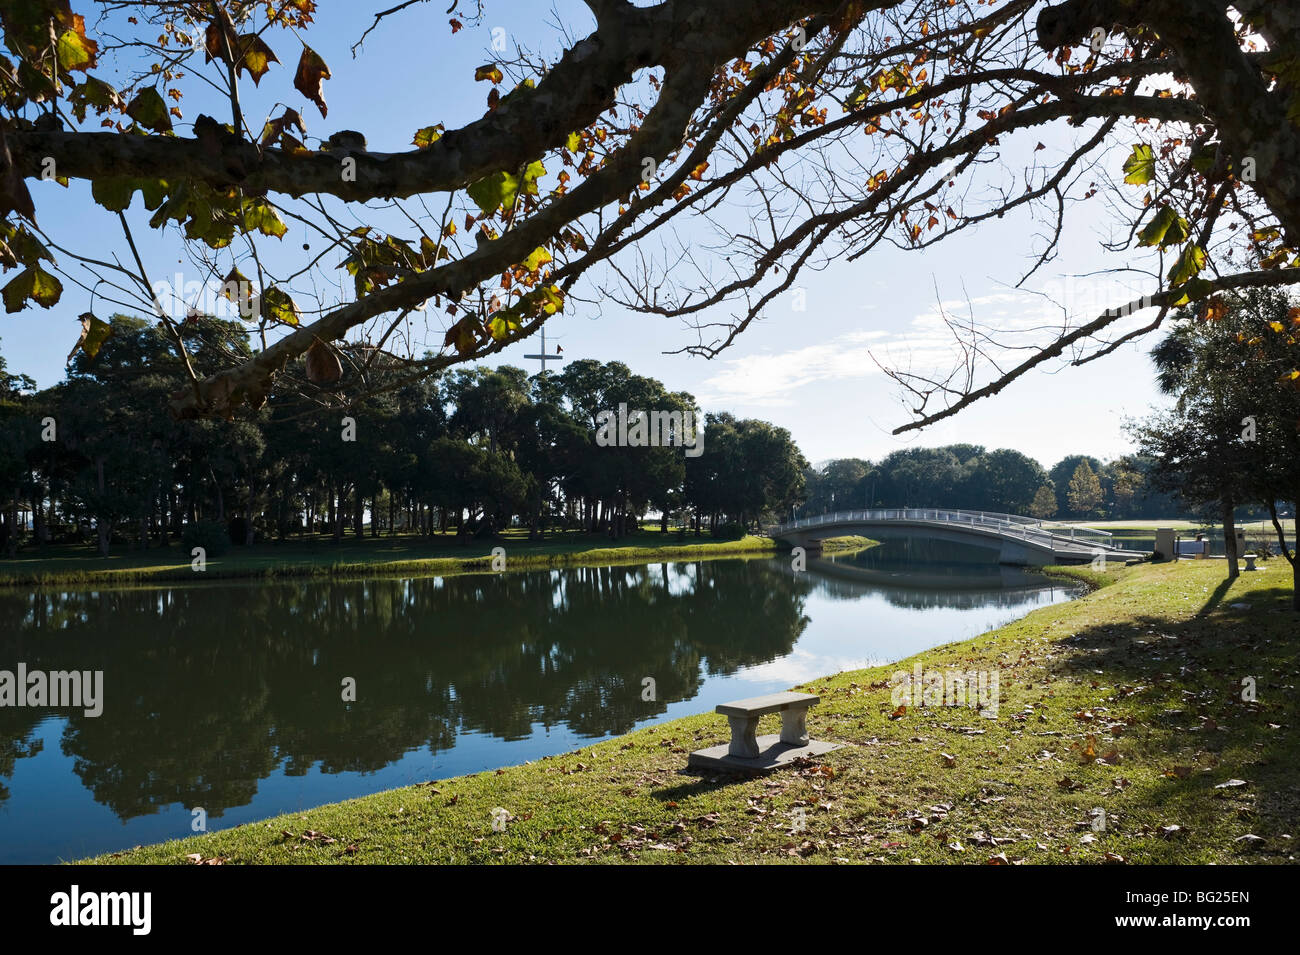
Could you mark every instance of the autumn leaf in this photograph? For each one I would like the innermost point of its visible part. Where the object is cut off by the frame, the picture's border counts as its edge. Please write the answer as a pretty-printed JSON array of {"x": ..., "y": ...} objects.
[
  {"x": 489, "y": 71},
  {"x": 492, "y": 192},
  {"x": 1189, "y": 264},
  {"x": 277, "y": 306},
  {"x": 1166, "y": 228},
  {"x": 219, "y": 37},
  {"x": 1089, "y": 749},
  {"x": 307, "y": 80},
  {"x": 463, "y": 335},
  {"x": 261, "y": 215},
  {"x": 1215, "y": 309},
  {"x": 536, "y": 259},
  {"x": 428, "y": 135},
  {"x": 502, "y": 324},
  {"x": 74, "y": 49},
  {"x": 149, "y": 110},
  {"x": 1140, "y": 167},
  {"x": 323, "y": 366},
  {"x": 93, "y": 335},
  {"x": 113, "y": 193},
  {"x": 32, "y": 283},
  {"x": 257, "y": 57}
]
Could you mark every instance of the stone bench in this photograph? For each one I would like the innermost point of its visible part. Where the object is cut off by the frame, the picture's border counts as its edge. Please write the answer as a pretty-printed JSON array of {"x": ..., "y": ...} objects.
[
  {"x": 751, "y": 752},
  {"x": 743, "y": 716}
]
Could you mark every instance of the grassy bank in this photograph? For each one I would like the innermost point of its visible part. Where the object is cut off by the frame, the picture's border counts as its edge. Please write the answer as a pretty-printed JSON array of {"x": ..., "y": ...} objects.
[
  {"x": 846, "y": 545},
  {"x": 322, "y": 557},
  {"x": 1127, "y": 700}
]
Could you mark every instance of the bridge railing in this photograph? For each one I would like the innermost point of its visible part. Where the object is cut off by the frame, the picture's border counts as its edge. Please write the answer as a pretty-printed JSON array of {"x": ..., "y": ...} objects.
[{"x": 1013, "y": 525}]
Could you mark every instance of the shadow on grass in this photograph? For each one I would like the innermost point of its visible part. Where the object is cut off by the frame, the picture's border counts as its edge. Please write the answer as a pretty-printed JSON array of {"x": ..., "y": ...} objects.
[
  {"x": 698, "y": 783},
  {"x": 1217, "y": 597},
  {"x": 1210, "y": 700}
]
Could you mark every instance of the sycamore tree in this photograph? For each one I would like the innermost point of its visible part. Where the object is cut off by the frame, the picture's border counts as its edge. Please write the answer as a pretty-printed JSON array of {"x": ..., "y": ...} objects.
[{"x": 790, "y": 133}]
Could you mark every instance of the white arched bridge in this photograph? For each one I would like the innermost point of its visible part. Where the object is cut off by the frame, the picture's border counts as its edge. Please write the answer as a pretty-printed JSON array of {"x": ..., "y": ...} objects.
[{"x": 1023, "y": 541}]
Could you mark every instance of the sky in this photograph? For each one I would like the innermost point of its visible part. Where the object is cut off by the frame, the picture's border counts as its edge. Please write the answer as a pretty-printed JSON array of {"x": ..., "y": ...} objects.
[{"x": 813, "y": 371}]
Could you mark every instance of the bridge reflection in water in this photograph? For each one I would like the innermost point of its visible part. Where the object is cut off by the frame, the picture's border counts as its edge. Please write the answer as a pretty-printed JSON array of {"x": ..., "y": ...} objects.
[{"x": 919, "y": 572}]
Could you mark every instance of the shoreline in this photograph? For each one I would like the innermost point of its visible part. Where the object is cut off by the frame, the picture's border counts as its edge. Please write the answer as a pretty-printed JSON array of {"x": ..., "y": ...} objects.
[
  {"x": 1086, "y": 720},
  {"x": 241, "y": 566}
]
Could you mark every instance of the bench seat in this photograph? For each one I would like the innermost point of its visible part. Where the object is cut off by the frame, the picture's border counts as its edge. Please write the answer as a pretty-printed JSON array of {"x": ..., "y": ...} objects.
[{"x": 743, "y": 716}]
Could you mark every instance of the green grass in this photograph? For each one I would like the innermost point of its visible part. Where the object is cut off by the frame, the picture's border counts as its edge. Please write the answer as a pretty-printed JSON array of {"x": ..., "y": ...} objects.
[
  {"x": 850, "y": 543},
  {"x": 1179, "y": 525},
  {"x": 1149, "y": 665},
  {"x": 322, "y": 557},
  {"x": 1142, "y": 534}
]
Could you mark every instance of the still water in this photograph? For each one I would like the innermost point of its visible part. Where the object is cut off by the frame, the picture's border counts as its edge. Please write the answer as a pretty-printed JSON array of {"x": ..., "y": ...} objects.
[{"x": 227, "y": 696}]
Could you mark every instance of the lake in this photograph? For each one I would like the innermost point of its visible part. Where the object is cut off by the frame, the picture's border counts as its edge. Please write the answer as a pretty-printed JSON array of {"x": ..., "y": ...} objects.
[{"x": 228, "y": 696}]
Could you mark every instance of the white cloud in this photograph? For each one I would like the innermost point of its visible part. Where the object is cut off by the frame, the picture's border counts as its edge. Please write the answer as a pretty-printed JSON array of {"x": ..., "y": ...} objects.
[{"x": 926, "y": 344}]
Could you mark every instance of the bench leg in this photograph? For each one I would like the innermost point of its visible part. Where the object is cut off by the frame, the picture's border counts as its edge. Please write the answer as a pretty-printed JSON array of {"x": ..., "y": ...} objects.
[
  {"x": 744, "y": 741},
  {"x": 794, "y": 726}
]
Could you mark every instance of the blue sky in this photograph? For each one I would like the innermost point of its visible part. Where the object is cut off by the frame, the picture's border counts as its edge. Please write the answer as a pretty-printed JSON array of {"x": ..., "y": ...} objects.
[{"x": 811, "y": 371}]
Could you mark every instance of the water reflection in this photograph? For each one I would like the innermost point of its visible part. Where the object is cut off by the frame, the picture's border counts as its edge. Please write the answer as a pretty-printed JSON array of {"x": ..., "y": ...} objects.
[{"x": 228, "y": 696}]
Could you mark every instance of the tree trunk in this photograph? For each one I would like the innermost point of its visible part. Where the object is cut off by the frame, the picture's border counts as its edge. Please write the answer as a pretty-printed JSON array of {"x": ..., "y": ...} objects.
[
  {"x": 1295, "y": 583},
  {"x": 103, "y": 529},
  {"x": 38, "y": 521},
  {"x": 336, "y": 509},
  {"x": 1292, "y": 555},
  {"x": 1230, "y": 538}
]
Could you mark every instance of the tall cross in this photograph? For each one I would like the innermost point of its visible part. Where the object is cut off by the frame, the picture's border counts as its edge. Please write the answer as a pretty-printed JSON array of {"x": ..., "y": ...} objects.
[{"x": 543, "y": 357}]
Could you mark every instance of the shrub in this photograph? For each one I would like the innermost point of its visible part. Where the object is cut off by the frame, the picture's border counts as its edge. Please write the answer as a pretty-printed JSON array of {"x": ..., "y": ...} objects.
[
  {"x": 210, "y": 535},
  {"x": 238, "y": 530},
  {"x": 730, "y": 531}
]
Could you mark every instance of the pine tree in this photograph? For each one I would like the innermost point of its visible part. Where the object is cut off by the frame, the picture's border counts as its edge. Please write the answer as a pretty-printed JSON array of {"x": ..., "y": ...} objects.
[
  {"x": 1044, "y": 505},
  {"x": 1085, "y": 491}
]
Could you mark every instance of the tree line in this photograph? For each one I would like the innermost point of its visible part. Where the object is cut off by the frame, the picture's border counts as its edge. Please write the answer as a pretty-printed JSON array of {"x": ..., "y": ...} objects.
[
  {"x": 474, "y": 451},
  {"x": 970, "y": 476}
]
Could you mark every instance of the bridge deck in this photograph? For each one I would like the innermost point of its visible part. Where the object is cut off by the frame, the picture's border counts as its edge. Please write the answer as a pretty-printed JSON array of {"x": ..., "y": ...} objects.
[{"x": 1046, "y": 541}]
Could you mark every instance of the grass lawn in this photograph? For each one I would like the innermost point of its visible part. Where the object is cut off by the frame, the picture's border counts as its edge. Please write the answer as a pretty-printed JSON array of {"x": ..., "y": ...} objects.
[
  {"x": 1288, "y": 525},
  {"x": 408, "y": 554},
  {"x": 1128, "y": 700},
  {"x": 1141, "y": 535}
]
